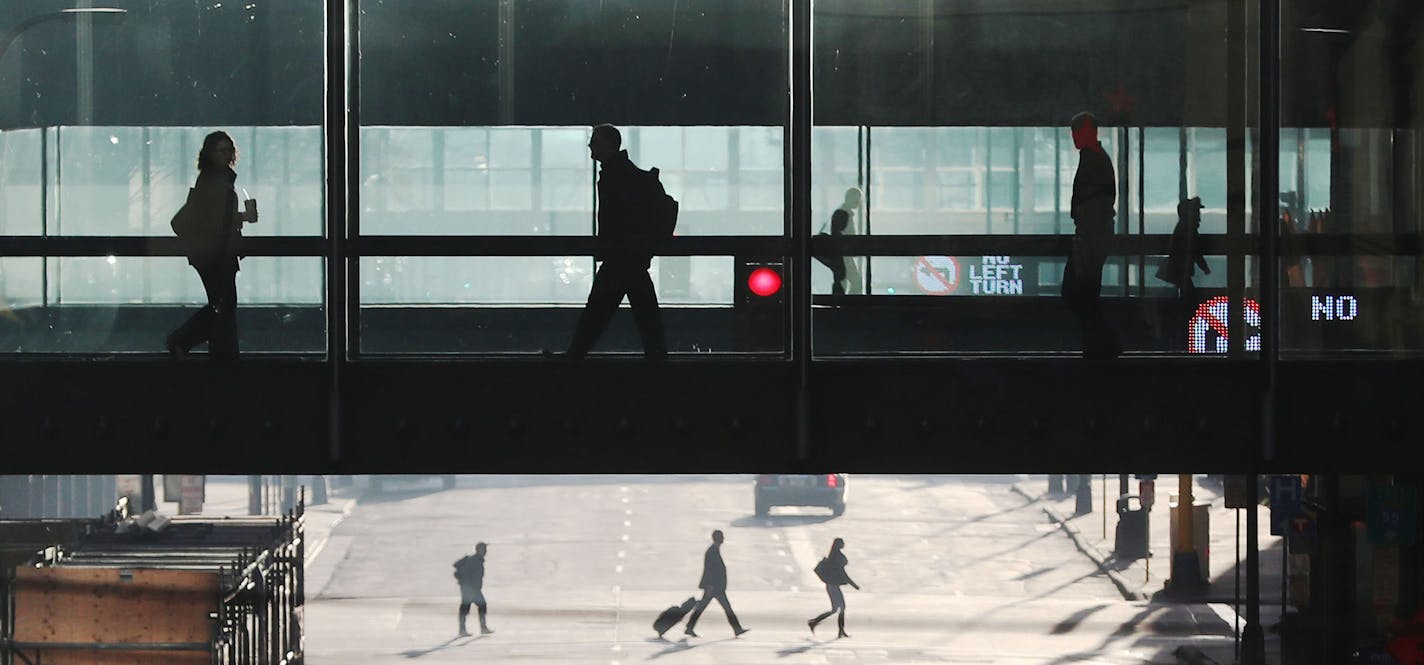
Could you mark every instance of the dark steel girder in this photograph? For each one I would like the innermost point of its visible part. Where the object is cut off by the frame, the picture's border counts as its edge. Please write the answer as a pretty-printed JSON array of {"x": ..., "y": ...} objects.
[{"x": 982, "y": 415}]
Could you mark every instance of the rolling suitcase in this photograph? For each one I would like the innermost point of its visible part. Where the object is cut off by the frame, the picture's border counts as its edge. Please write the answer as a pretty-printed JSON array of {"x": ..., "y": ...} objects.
[{"x": 672, "y": 615}]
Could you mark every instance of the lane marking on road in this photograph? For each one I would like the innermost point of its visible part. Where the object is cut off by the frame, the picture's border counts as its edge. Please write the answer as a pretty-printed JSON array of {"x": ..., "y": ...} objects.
[
  {"x": 622, "y": 554},
  {"x": 618, "y": 568},
  {"x": 625, "y": 499},
  {"x": 803, "y": 555},
  {"x": 625, "y": 537},
  {"x": 627, "y": 523},
  {"x": 628, "y": 511},
  {"x": 321, "y": 544}
]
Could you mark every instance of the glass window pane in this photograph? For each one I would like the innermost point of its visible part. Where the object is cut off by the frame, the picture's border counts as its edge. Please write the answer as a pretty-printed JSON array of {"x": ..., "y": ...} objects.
[
  {"x": 104, "y": 305},
  {"x": 525, "y": 304},
  {"x": 966, "y": 148},
  {"x": 20, "y": 185}
]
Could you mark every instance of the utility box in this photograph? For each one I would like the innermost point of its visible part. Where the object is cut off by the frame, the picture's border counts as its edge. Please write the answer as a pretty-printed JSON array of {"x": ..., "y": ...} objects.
[
  {"x": 1201, "y": 531},
  {"x": 124, "y": 616}
]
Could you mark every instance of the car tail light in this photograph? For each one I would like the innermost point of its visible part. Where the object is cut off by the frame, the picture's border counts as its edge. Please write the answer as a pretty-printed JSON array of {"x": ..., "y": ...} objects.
[
  {"x": 765, "y": 479},
  {"x": 832, "y": 480}
]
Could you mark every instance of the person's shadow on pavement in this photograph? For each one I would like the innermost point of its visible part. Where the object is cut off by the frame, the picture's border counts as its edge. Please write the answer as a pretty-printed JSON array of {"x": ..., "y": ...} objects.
[
  {"x": 682, "y": 645},
  {"x": 798, "y": 650},
  {"x": 420, "y": 653}
]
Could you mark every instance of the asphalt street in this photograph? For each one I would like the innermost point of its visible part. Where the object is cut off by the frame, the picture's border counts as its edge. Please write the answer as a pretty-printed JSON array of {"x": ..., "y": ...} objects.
[{"x": 953, "y": 569}]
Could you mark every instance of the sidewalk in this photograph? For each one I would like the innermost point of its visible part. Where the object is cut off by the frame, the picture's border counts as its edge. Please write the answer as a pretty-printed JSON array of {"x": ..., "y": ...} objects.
[
  {"x": 1143, "y": 579},
  {"x": 227, "y": 496}
]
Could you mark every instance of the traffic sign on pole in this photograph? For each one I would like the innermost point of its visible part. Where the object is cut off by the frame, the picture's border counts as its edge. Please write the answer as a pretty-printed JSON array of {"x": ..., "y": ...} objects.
[
  {"x": 1285, "y": 503},
  {"x": 1393, "y": 510}
]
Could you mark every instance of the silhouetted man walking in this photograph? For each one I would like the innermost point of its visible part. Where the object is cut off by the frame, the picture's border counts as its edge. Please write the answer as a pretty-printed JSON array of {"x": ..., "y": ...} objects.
[
  {"x": 714, "y": 585},
  {"x": 1094, "y": 193},
  {"x": 470, "y": 573},
  {"x": 622, "y": 216}
]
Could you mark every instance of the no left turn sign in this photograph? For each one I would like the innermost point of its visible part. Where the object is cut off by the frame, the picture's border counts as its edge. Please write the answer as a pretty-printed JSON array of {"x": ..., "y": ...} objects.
[{"x": 937, "y": 275}]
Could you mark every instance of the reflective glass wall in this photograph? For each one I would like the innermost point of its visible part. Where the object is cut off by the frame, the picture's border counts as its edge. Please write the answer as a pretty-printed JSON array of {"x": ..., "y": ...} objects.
[
  {"x": 1350, "y": 229},
  {"x": 950, "y": 119},
  {"x": 102, "y": 116},
  {"x": 940, "y": 138},
  {"x": 491, "y": 139}
]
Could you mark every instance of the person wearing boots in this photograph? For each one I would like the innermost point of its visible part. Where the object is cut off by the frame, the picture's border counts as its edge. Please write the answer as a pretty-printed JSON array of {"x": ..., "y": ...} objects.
[
  {"x": 832, "y": 571},
  {"x": 714, "y": 585},
  {"x": 470, "y": 573}
]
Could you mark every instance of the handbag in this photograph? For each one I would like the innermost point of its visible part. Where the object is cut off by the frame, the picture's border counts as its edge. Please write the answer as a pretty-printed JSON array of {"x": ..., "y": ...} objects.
[{"x": 185, "y": 222}]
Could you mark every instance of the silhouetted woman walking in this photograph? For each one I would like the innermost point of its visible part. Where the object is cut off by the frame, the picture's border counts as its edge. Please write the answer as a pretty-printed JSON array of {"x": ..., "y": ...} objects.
[
  {"x": 210, "y": 227},
  {"x": 832, "y": 571}
]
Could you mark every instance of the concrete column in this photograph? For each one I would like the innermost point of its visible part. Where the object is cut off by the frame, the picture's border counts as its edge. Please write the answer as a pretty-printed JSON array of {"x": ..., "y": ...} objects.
[
  {"x": 49, "y": 496},
  {"x": 14, "y": 497}
]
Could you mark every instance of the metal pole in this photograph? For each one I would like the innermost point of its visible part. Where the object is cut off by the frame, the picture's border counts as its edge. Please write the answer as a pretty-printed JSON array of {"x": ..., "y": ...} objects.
[
  {"x": 1253, "y": 639},
  {"x": 800, "y": 217},
  {"x": 1268, "y": 205},
  {"x": 1141, "y": 207},
  {"x": 342, "y": 134},
  {"x": 1236, "y": 596}
]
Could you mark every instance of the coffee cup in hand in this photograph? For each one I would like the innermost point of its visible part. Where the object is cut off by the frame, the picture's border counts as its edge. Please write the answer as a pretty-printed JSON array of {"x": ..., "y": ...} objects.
[{"x": 249, "y": 207}]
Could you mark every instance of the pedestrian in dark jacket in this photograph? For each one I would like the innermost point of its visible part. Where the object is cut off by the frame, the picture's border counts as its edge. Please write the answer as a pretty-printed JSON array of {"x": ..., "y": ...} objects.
[
  {"x": 212, "y": 249},
  {"x": 622, "y": 218},
  {"x": 1094, "y": 193},
  {"x": 470, "y": 573},
  {"x": 714, "y": 585},
  {"x": 1185, "y": 253},
  {"x": 832, "y": 571}
]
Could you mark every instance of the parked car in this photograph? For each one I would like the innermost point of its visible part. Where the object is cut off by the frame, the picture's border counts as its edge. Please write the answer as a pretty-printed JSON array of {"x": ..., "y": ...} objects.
[{"x": 827, "y": 490}]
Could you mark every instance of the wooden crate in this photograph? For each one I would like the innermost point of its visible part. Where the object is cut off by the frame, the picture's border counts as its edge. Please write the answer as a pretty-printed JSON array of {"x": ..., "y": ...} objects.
[{"x": 114, "y": 606}]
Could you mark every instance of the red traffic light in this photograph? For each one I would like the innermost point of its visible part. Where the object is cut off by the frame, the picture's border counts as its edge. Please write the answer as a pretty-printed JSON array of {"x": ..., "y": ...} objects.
[{"x": 764, "y": 281}]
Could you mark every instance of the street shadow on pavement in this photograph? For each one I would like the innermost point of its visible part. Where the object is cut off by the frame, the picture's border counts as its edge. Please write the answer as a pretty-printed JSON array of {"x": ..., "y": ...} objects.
[
  {"x": 452, "y": 642},
  {"x": 1009, "y": 550},
  {"x": 986, "y": 516},
  {"x": 777, "y": 521}
]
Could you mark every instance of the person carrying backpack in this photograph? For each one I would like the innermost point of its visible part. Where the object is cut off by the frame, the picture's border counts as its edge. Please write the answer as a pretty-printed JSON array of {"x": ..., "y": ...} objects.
[
  {"x": 832, "y": 571},
  {"x": 632, "y": 208},
  {"x": 470, "y": 573}
]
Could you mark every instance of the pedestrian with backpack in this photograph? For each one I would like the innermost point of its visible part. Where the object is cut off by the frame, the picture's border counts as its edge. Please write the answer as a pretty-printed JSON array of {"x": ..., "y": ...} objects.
[
  {"x": 470, "y": 573},
  {"x": 832, "y": 571},
  {"x": 633, "y": 209}
]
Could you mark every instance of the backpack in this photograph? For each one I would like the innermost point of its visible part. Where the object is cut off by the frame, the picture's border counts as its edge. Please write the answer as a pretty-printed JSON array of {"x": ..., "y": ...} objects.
[
  {"x": 661, "y": 207},
  {"x": 825, "y": 570}
]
